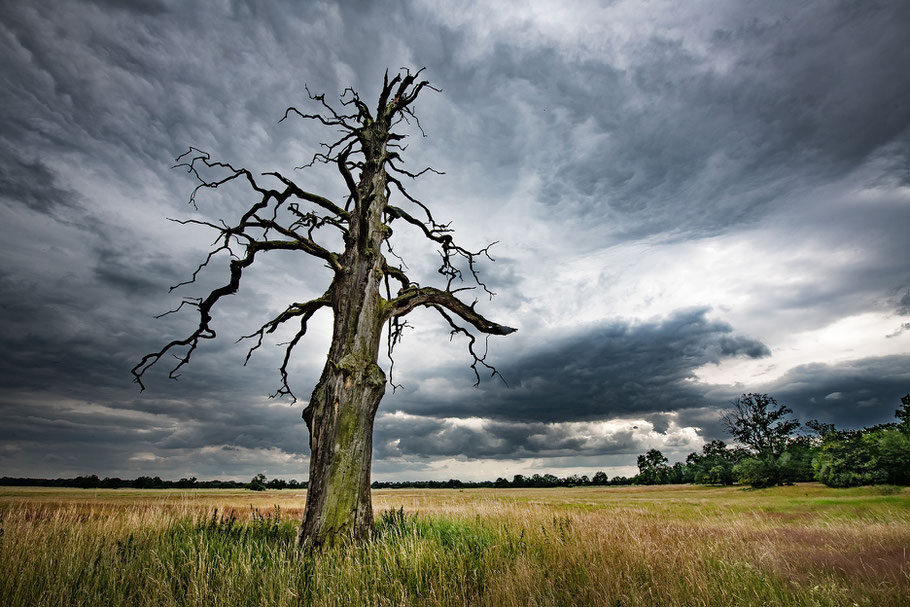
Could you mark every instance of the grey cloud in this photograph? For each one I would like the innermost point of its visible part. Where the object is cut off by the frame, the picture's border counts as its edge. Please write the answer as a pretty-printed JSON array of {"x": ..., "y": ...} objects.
[
  {"x": 675, "y": 127},
  {"x": 140, "y": 7},
  {"x": 851, "y": 394},
  {"x": 903, "y": 307},
  {"x": 870, "y": 390},
  {"x": 866, "y": 253},
  {"x": 136, "y": 278},
  {"x": 100, "y": 96},
  {"x": 607, "y": 371},
  {"x": 432, "y": 437},
  {"x": 164, "y": 428},
  {"x": 707, "y": 418},
  {"x": 33, "y": 184},
  {"x": 660, "y": 421}
]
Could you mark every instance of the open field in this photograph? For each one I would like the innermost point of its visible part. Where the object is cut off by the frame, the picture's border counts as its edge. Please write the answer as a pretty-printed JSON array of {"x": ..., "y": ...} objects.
[{"x": 676, "y": 545}]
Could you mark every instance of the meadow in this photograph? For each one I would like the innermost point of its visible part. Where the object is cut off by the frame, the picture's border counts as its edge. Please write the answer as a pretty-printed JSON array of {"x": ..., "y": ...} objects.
[{"x": 616, "y": 546}]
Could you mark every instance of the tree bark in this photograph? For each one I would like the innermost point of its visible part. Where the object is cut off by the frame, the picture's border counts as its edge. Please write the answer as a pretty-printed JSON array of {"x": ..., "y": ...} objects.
[
  {"x": 343, "y": 406},
  {"x": 340, "y": 418}
]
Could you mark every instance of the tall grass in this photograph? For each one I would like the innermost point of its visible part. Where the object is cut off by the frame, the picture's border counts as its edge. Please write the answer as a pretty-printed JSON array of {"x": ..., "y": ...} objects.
[{"x": 591, "y": 547}]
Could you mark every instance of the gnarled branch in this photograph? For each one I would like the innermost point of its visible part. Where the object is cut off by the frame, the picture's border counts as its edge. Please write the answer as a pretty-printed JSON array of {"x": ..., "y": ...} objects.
[
  {"x": 203, "y": 331},
  {"x": 251, "y": 232},
  {"x": 304, "y": 311},
  {"x": 410, "y": 298},
  {"x": 478, "y": 360}
]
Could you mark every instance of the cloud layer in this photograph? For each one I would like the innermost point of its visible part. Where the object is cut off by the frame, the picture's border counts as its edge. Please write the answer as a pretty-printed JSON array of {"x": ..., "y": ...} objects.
[{"x": 691, "y": 202}]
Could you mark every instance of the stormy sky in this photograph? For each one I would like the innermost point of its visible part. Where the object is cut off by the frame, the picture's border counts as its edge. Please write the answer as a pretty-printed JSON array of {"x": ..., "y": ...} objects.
[{"x": 691, "y": 201}]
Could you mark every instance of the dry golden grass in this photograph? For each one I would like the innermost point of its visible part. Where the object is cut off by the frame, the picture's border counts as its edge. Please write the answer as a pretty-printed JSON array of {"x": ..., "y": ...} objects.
[{"x": 679, "y": 545}]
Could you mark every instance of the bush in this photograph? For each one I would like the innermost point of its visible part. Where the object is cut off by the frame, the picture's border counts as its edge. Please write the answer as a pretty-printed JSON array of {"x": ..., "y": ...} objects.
[{"x": 757, "y": 472}]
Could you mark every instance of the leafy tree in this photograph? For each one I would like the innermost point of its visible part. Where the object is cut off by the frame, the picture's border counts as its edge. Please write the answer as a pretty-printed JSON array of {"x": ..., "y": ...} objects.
[
  {"x": 540, "y": 481},
  {"x": 144, "y": 482},
  {"x": 821, "y": 429},
  {"x": 714, "y": 466},
  {"x": 757, "y": 471},
  {"x": 653, "y": 468},
  {"x": 795, "y": 463},
  {"x": 277, "y": 483},
  {"x": 758, "y": 422},
  {"x": 112, "y": 483},
  {"x": 894, "y": 454},
  {"x": 600, "y": 478},
  {"x": 849, "y": 458},
  {"x": 361, "y": 297},
  {"x": 676, "y": 474},
  {"x": 257, "y": 483},
  {"x": 87, "y": 482},
  {"x": 903, "y": 414},
  {"x": 572, "y": 481},
  {"x": 880, "y": 454},
  {"x": 761, "y": 424}
]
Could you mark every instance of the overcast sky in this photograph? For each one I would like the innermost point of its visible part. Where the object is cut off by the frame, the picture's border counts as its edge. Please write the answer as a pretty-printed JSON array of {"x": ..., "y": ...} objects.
[{"x": 691, "y": 200}]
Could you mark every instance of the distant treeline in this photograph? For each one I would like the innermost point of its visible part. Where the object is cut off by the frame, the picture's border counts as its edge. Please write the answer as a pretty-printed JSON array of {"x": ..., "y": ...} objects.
[
  {"x": 518, "y": 481},
  {"x": 775, "y": 450},
  {"x": 260, "y": 483},
  {"x": 149, "y": 482}
]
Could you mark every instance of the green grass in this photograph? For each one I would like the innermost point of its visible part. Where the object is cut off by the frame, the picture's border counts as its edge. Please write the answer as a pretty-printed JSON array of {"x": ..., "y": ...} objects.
[{"x": 801, "y": 545}]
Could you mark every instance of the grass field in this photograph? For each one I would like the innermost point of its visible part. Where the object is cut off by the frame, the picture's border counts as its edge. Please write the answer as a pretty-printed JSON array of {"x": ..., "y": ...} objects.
[{"x": 617, "y": 546}]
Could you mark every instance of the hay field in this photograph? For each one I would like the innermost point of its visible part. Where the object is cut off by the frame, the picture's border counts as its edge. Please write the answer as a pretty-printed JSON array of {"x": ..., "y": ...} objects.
[{"x": 617, "y": 546}]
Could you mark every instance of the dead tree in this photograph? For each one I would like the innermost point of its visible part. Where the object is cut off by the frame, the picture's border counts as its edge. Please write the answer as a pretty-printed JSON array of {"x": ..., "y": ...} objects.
[{"x": 341, "y": 410}]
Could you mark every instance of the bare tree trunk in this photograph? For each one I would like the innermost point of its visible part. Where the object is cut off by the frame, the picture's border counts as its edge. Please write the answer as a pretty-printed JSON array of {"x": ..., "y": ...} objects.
[
  {"x": 341, "y": 411},
  {"x": 340, "y": 418}
]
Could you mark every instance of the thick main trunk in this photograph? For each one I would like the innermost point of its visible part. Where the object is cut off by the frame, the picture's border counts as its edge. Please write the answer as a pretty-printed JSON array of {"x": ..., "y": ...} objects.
[
  {"x": 340, "y": 417},
  {"x": 341, "y": 411}
]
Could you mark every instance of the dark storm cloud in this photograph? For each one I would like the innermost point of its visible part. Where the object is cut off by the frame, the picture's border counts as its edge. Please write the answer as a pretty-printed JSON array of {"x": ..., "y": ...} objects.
[
  {"x": 106, "y": 424},
  {"x": 612, "y": 370},
  {"x": 111, "y": 94},
  {"x": 64, "y": 368},
  {"x": 431, "y": 437},
  {"x": 34, "y": 185},
  {"x": 777, "y": 100},
  {"x": 903, "y": 307},
  {"x": 130, "y": 276},
  {"x": 708, "y": 418},
  {"x": 851, "y": 394}
]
